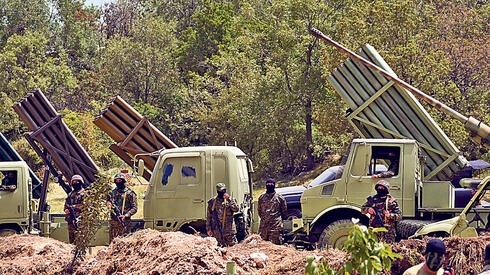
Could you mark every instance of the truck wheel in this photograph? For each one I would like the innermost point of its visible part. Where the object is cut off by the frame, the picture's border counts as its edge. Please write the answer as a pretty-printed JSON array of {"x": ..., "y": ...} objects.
[
  {"x": 335, "y": 234},
  {"x": 406, "y": 228},
  {"x": 7, "y": 232}
]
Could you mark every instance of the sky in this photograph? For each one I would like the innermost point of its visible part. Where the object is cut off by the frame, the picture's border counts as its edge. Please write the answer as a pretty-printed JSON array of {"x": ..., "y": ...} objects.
[{"x": 98, "y": 2}]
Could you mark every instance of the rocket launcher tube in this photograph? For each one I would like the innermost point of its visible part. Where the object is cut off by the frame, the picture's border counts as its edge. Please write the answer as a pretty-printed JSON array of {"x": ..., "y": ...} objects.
[{"x": 480, "y": 132}]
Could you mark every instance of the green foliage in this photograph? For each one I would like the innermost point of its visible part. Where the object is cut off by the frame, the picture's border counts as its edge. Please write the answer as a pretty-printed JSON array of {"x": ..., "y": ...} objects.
[
  {"x": 20, "y": 16},
  {"x": 367, "y": 255},
  {"x": 92, "y": 139},
  {"x": 94, "y": 212},
  {"x": 25, "y": 66}
]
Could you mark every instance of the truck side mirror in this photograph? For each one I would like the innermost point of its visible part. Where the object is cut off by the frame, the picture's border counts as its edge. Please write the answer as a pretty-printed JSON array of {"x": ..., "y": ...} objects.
[{"x": 141, "y": 167}]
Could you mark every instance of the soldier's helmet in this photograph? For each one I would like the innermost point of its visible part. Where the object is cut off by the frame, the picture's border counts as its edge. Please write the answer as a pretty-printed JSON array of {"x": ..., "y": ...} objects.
[
  {"x": 383, "y": 183},
  {"x": 120, "y": 176},
  {"x": 220, "y": 187},
  {"x": 76, "y": 177}
]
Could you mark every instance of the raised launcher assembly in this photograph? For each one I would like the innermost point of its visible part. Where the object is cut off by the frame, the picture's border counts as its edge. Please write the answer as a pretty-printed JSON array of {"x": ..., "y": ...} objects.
[
  {"x": 134, "y": 134},
  {"x": 59, "y": 143},
  {"x": 384, "y": 106}
]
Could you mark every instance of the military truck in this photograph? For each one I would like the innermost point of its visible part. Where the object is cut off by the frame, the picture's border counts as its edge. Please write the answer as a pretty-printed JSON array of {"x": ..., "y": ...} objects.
[
  {"x": 398, "y": 133},
  {"x": 181, "y": 183}
]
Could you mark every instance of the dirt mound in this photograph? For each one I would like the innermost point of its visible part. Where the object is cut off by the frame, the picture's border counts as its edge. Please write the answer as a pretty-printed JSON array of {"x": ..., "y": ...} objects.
[
  {"x": 465, "y": 255},
  {"x": 152, "y": 252},
  {"x": 29, "y": 254}
]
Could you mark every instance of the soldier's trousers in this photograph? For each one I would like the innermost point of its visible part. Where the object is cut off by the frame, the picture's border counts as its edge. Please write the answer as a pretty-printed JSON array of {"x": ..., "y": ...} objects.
[
  {"x": 273, "y": 235},
  {"x": 229, "y": 238},
  {"x": 72, "y": 234},
  {"x": 387, "y": 237},
  {"x": 117, "y": 229}
]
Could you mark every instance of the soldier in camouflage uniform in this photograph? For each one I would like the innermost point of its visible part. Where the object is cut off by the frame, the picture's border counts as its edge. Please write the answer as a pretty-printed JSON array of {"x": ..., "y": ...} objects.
[
  {"x": 219, "y": 222},
  {"x": 383, "y": 210},
  {"x": 73, "y": 205},
  {"x": 392, "y": 168},
  {"x": 272, "y": 210},
  {"x": 124, "y": 205},
  {"x": 9, "y": 183}
]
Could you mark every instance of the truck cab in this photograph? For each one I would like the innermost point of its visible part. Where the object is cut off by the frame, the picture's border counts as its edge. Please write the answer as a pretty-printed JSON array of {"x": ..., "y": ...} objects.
[
  {"x": 185, "y": 178},
  {"x": 15, "y": 198}
]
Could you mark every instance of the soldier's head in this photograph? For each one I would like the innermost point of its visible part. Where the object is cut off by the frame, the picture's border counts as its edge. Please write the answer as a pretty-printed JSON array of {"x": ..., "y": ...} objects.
[
  {"x": 11, "y": 174},
  {"x": 382, "y": 188},
  {"x": 221, "y": 189},
  {"x": 76, "y": 182},
  {"x": 270, "y": 185},
  {"x": 120, "y": 180},
  {"x": 434, "y": 254}
]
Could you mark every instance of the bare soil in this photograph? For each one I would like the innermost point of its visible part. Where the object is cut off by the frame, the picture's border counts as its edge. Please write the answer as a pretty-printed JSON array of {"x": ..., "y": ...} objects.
[{"x": 153, "y": 252}]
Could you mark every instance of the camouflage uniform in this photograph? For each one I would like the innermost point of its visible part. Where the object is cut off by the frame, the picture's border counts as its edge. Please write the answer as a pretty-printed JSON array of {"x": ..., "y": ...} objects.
[
  {"x": 75, "y": 200},
  {"x": 389, "y": 214},
  {"x": 272, "y": 210},
  {"x": 222, "y": 209},
  {"x": 392, "y": 169},
  {"x": 9, "y": 184},
  {"x": 130, "y": 208}
]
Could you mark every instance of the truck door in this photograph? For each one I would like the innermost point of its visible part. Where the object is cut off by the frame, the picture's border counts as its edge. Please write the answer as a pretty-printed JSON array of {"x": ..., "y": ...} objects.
[
  {"x": 180, "y": 190},
  {"x": 11, "y": 193},
  {"x": 372, "y": 160}
]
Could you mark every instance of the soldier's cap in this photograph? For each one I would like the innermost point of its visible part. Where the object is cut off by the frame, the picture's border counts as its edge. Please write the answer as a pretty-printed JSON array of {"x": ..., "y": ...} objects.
[
  {"x": 77, "y": 177},
  {"x": 435, "y": 246},
  {"x": 383, "y": 183},
  {"x": 270, "y": 180},
  {"x": 120, "y": 176},
  {"x": 220, "y": 186}
]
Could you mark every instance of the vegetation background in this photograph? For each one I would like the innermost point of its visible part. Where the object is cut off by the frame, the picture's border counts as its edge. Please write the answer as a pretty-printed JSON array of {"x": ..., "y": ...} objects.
[{"x": 207, "y": 72}]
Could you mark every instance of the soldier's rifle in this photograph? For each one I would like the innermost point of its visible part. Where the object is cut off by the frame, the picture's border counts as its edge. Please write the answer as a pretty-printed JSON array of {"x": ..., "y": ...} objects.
[
  {"x": 118, "y": 214},
  {"x": 215, "y": 215},
  {"x": 73, "y": 216},
  {"x": 376, "y": 211}
]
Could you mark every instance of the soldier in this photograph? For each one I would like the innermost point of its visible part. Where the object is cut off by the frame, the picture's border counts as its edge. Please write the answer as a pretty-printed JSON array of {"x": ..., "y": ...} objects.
[
  {"x": 435, "y": 251},
  {"x": 272, "y": 210},
  {"x": 219, "y": 222},
  {"x": 383, "y": 210},
  {"x": 9, "y": 183},
  {"x": 392, "y": 168},
  {"x": 124, "y": 205},
  {"x": 73, "y": 205}
]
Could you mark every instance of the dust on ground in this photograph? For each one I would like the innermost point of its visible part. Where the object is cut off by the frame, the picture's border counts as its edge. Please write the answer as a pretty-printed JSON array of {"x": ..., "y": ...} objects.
[{"x": 153, "y": 252}]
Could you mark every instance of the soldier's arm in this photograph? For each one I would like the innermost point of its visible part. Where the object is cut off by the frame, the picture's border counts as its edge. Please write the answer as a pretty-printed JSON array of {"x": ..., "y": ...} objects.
[
  {"x": 367, "y": 205},
  {"x": 208, "y": 217},
  {"x": 396, "y": 213},
  {"x": 133, "y": 203},
  {"x": 260, "y": 207},
  {"x": 233, "y": 205},
  {"x": 67, "y": 203},
  {"x": 284, "y": 208}
]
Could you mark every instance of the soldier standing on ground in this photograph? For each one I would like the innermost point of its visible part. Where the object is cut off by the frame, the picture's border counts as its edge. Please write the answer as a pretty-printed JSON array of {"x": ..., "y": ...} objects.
[
  {"x": 124, "y": 205},
  {"x": 272, "y": 211},
  {"x": 73, "y": 205},
  {"x": 383, "y": 210},
  {"x": 219, "y": 222}
]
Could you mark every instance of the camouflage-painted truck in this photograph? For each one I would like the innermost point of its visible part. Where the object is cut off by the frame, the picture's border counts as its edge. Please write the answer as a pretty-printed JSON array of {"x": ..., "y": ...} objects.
[{"x": 384, "y": 111}]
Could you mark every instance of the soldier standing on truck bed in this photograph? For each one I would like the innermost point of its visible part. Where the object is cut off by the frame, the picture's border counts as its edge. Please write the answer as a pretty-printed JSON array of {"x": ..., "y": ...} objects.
[
  {"x": 272, "y": 210},
  {"x": 219, "y": 220},
  {"x": 383, "y": 210},
  {"x": 73, "y": 205},
  {"x": 124, "y": 205}
]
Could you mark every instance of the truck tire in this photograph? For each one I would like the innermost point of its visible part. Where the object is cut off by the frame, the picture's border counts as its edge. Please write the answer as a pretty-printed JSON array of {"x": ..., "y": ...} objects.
[
  {"x": 335, "y": 234},
  {"x": 406, "y": 228},
  {"x": 4, "y": 232}
]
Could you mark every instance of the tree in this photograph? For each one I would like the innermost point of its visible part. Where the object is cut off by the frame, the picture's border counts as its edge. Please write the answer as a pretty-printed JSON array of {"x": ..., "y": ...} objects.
[{"x": 25, "y": 66}]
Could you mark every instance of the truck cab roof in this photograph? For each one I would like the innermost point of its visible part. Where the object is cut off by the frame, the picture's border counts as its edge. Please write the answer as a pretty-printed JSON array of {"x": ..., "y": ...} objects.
[{"x": 231, "y": 149}]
